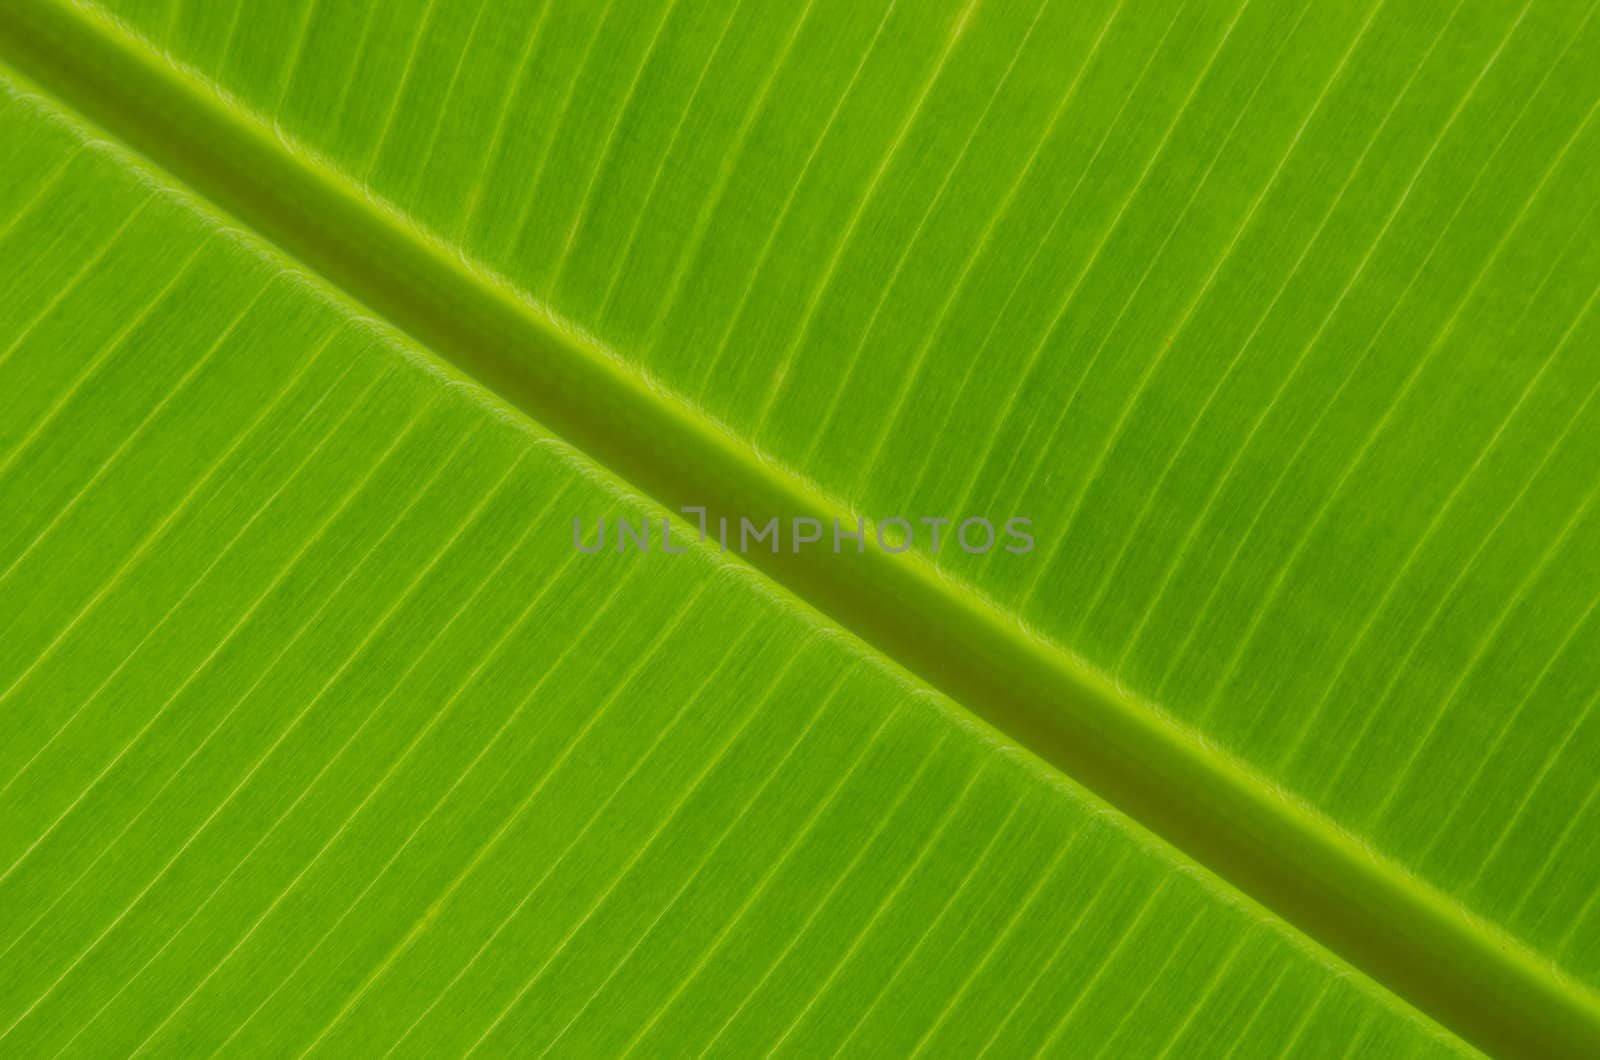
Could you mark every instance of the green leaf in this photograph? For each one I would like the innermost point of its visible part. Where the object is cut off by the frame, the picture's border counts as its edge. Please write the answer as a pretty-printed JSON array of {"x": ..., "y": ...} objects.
[{"x": 325, "y": 321}]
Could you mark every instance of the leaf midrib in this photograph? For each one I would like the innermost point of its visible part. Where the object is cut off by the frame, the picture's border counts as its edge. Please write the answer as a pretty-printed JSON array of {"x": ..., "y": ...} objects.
[{"x": 1467, "y": 974}]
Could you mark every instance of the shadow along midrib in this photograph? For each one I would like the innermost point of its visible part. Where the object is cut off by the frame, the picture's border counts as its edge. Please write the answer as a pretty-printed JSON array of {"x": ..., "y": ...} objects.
[{"x": 1467, "y": 975}]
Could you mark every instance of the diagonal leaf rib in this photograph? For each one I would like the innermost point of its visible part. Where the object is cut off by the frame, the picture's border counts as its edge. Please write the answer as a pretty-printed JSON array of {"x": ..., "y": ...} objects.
[{"x": 1463, "y": 972}]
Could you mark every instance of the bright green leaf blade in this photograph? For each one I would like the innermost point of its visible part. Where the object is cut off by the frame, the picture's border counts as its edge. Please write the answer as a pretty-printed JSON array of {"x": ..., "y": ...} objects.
[
  {"x": 1272, "y": 317},
  {"x": 323, "y": 733}
]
